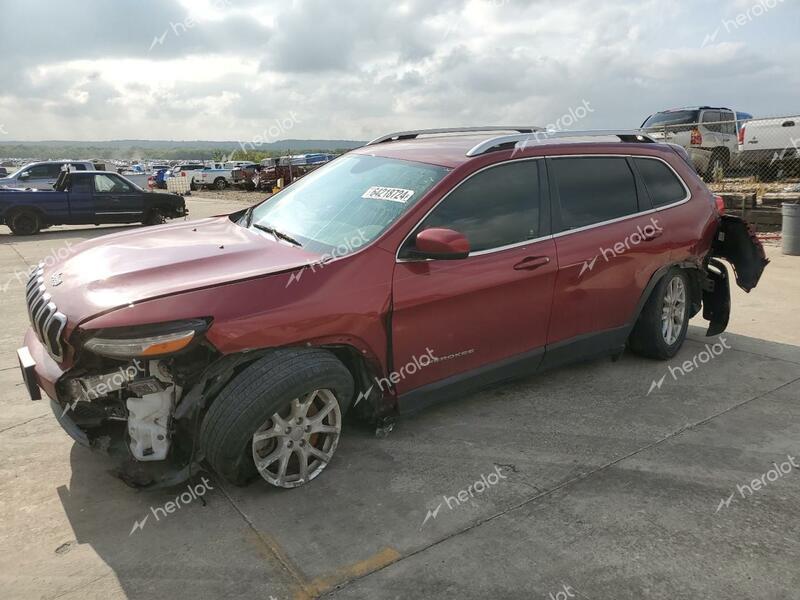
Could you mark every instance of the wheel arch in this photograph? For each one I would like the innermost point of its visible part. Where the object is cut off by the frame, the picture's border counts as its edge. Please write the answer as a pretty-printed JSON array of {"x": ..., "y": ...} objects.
[{"x": 696, "y": 276}]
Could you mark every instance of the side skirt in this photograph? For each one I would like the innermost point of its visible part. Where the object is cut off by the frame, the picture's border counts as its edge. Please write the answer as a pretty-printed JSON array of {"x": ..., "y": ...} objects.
[{"x": 577, "y": 349}]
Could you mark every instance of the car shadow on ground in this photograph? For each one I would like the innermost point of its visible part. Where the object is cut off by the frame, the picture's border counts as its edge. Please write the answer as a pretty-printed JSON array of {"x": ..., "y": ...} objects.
[{"x": 372, "y": 506}]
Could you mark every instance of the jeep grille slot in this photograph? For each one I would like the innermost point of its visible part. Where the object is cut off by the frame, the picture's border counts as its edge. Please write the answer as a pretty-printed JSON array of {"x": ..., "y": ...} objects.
[{"x": 47, "y": 322}]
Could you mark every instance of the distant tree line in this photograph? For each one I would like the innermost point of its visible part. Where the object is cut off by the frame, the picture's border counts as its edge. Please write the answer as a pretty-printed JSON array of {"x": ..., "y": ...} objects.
[{"x": 54, "y": 151}]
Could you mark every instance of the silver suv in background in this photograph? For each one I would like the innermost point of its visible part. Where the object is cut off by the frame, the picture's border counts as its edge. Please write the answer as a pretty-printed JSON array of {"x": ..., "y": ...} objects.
[
  {"x": 42, "y": 175},
  {"x": 709, "y": 134}
]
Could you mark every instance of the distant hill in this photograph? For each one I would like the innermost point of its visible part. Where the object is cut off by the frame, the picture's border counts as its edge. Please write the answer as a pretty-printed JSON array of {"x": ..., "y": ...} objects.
[{"x": 166, "y": 149}]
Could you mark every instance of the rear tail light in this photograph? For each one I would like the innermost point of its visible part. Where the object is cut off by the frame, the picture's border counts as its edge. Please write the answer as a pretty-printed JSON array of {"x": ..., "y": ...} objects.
[
  {"x": 183, "y": 173},
  {"x": 719, "y": 201},
  {"x": 741, "y": 135},
  {"x": 697, "y": 138}
]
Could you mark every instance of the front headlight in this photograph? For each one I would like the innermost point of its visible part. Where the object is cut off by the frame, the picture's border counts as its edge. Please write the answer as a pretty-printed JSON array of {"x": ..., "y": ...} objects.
[{"x": 150, "y": 341}]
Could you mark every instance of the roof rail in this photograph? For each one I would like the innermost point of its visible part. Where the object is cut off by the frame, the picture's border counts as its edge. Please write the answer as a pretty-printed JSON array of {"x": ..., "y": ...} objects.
[
  {"x": 624, "y": 135},
  {"x": 410, "y": 135}
]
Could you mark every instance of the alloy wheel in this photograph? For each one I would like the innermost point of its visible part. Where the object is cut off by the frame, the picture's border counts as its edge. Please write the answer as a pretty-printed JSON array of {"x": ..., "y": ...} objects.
[
  {"x": 673, "y": 311},
  {"x": 296, "y": 444}
]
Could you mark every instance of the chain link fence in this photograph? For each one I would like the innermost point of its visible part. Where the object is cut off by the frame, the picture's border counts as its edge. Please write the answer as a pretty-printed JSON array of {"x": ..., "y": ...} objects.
[{"x": 754, "y": 164}]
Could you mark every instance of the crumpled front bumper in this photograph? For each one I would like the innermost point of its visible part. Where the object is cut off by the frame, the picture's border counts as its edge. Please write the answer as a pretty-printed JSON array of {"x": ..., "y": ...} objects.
[
  {"x": 47, "y": 371},
  {"x": 68, "y": 425}
]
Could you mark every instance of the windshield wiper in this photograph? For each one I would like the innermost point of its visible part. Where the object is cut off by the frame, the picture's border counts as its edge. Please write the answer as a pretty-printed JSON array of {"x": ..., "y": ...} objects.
[
  {"x": 278, "y": 234},
  {"x": 248, "y": 216}
]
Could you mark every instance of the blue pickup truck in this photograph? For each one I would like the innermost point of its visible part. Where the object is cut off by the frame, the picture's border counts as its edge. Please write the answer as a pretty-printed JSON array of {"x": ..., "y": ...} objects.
[{"x": 86, "y": 198}]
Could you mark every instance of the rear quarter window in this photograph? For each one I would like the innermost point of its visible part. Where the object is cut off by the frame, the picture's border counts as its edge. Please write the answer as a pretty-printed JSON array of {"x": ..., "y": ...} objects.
[
  {"x": 662, "y": 184},
  {"x": 594, "y": 190}
]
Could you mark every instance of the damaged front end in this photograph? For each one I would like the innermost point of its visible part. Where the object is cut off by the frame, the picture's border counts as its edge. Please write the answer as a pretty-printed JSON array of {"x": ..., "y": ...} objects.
[
  {"x": 139, "y": 393},
  {"x": 736, "y": 242}
]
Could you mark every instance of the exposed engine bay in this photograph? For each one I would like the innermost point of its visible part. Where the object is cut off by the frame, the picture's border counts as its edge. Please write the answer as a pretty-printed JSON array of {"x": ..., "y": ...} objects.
[{"x": 142, "y": 394}]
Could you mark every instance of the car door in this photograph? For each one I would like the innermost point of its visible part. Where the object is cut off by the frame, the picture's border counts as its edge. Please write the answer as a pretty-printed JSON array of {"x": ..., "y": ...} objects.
[
  {"x": 609, "y": 243},
  {"x": 116, "y": 200},
  {"x": 488, "y": 313}
]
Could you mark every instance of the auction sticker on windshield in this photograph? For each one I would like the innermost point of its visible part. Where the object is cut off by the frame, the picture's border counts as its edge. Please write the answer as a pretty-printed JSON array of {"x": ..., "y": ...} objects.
[{"x": 387, "y": 193}]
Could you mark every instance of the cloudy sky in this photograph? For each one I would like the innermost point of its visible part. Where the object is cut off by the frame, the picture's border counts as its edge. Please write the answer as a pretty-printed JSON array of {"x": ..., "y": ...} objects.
[{"x": 228, "y": 69}]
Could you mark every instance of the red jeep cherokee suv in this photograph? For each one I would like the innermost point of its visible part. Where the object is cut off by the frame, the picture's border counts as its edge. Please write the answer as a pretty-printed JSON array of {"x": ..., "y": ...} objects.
[{"x": 422, "y": 266}]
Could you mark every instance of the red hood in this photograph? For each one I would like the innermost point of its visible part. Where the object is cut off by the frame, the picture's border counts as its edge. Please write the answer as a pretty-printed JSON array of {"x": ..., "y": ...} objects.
[{"x": 125, "y": 268}]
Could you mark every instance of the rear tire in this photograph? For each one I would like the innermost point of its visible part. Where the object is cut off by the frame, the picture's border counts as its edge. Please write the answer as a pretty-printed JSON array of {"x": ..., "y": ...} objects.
[
  {"x": 220, "y": 183},
  {"x": 25, "y": 222},
  {"x": 250, "y": 402},
  {"x": 661, "y": 329},
  {"x": 718, "y": 160}
]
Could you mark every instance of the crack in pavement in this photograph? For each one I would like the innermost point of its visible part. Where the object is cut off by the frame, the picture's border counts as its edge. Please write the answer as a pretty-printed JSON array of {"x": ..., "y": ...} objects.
[
  {"x": 23, "y": 423},
  {"x": 280, "y": 556},
  {"x": 565, "y": 484}
]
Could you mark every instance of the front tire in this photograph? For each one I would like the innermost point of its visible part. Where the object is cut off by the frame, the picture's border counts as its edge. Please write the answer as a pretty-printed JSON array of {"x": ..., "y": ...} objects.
[
  {"x": 155, "y": 217},
  {"x": 220, "y": 183},
  {"x": 661, "y": 329},
  {"x": 280, "y": 417}
]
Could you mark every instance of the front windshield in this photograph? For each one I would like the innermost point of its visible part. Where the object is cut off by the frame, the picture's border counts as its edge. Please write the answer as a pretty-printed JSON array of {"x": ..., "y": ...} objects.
[{"x": 356, "y": 197}]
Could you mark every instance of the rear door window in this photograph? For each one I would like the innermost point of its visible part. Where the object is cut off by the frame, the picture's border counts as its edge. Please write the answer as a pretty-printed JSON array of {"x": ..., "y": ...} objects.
[
  {"x": 594, "y": 189},
  {"x": 711, "y": 120},
  {"x": 661, "y": 182},
  {"x": 494, "y": 208},
  {"x": 728, "y": 125}
]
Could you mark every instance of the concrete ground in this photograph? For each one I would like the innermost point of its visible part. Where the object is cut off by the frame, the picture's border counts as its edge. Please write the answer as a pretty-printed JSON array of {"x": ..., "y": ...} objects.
[{"x": 587, "y": 482}]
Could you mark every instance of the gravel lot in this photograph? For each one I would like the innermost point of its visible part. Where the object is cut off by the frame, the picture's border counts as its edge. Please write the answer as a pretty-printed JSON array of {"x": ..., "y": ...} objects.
[{"x": 604, "y": 485}]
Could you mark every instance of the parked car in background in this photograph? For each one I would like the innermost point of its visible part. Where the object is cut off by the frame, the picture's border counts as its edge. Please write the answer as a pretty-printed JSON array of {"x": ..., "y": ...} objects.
[
  {"x": 709, "y": 135},
  {"x": 407, "y": 272},
  {"x": 245, "y": 177},
  {"x": 42, "y": 175},
  {"x": 86, "y": 198},
  {"x": 189, "y": 171},
  {"x": 216, "y": 176},
  {"x": 771, "y": 146}
]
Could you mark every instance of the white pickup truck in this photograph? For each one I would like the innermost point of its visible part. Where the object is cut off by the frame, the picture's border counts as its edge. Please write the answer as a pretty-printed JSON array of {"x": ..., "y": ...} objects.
[
  {"x": 770, "y": 146},
  {"x": 216, "y": 176}
]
